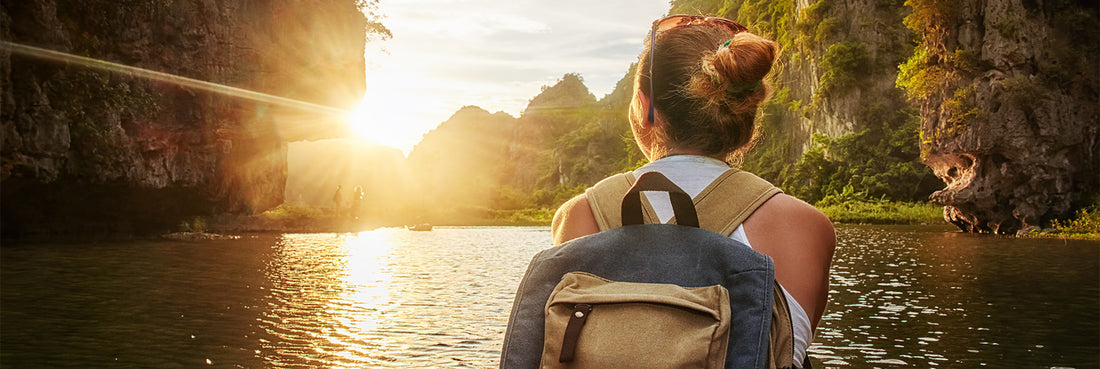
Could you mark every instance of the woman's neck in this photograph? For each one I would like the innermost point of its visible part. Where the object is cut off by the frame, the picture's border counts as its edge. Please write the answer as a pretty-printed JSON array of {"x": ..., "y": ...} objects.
[{"x": 678, "y": 152}]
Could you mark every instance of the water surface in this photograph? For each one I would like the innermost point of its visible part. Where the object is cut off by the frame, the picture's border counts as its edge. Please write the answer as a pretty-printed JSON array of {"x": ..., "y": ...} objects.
[
  {"x": 913, "y": 296},
  {"x": 902, "y": 297}
]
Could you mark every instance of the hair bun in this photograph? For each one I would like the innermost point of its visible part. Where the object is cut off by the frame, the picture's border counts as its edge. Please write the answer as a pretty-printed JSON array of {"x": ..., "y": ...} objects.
[
  {"x": 707, "y": 85},
  {"x": 737, "y": 67}
]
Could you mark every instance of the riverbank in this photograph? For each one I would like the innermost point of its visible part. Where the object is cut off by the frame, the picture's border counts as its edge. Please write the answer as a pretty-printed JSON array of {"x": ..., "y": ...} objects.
[
  {"x": 883, "y": 212},
  {"x": 288, "y": 218},
  {"x": 305, "y": 219},
  {"x": 1085, "y": 226}
]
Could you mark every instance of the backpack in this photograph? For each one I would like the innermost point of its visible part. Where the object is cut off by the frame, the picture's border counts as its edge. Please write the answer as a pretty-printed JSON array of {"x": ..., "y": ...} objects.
[{"x": 654, "y": 295}]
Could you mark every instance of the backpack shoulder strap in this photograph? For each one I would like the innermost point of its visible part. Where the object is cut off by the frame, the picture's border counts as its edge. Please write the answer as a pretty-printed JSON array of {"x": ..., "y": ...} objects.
[
  {"x": 736, "y": 190},
  {"x": 730, "y": 199},
  {"x": 606, "y": 200}
]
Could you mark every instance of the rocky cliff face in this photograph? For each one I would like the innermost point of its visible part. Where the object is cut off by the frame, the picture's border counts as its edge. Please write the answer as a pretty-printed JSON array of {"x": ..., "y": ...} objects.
[
  {"x": 1010, "y": 95},
  {"x": 87, "y": 149},
  {"x": 847, "y": 57}
]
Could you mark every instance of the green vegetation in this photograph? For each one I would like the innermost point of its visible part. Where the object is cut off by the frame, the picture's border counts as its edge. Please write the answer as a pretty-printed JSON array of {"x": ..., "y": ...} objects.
[
  {"x": 297, "y": 213},
  {"x": 1086, "y": 225},
  {"x": 845, "y": 65},
  {"x": 881, "y": 158},
  {"x": 934, "y": 71},
  {"x": 877, "y": 161},
  {"x": 196, "y": 224},
  {"x": 564, "y": 142},
  {"x": 883, "y": 212},
  {"x": 850, "y": 206},
  {"x": 524, "y": 217}
]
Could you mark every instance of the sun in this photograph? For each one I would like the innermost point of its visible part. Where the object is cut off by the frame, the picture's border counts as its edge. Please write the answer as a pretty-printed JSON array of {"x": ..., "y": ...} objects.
[
  {"x": 359, "y": 120},
  {"x": 387, "y": 121}
]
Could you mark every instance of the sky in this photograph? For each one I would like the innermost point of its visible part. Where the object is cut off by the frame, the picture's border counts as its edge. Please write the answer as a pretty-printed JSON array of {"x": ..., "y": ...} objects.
[{"x": 495, "y": 54}]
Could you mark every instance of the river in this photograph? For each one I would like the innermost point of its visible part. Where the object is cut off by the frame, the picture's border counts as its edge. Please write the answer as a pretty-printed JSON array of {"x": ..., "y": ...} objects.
[{"x": 901, "y": 297}]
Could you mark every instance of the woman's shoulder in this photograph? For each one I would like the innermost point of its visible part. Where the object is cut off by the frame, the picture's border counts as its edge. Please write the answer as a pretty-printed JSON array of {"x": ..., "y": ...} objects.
[
  {"x": 573, "y": 219},
  {"x": 784, "y": 221},
  {"x": 782, "y": 211}
]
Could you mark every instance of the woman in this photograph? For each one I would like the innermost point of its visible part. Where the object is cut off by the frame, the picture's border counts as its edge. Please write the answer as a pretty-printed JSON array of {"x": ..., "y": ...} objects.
[{"x": 696, "y": 114}]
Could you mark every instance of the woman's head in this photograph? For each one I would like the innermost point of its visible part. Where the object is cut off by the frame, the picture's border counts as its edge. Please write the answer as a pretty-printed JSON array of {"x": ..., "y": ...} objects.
[{"x": 708, "y": 80}]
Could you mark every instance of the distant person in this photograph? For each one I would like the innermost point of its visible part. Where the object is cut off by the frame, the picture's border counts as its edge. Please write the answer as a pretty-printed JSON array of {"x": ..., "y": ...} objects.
[
  {"x": 697, "y": 89},
  {"x": 336, "y": 198},
  {"x": 356, "y": 201}
]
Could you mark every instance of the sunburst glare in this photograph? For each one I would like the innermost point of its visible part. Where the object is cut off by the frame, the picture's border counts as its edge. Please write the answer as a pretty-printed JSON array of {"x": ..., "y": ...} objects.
[
  {"x": 359, "y": 121},
  {"x": 385, "y": 118}
]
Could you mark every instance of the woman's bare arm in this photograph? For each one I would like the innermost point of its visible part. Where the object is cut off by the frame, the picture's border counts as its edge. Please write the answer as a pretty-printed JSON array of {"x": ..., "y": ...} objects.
[{"x": 801, "y": 241}]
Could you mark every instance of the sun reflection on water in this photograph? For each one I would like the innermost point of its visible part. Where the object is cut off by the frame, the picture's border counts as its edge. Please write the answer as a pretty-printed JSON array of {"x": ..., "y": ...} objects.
[
  {"x": 391, "y": 298},
  {"x": 333, "y": 294},
  {"x": 358, "y": 311},
  {"x": 367, "y": 277}
]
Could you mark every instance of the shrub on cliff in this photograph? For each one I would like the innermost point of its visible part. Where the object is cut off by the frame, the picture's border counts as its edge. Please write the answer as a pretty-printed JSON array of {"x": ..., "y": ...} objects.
[{"x": 1086, "y": 222}]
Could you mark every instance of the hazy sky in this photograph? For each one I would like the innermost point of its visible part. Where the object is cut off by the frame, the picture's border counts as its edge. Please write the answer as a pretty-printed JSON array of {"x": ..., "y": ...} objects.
[{"x": 495, "y": 54}]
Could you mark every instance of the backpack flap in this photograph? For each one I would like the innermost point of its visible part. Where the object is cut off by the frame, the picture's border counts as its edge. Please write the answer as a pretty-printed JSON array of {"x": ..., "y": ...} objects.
[{"x": 592, "y": 322}]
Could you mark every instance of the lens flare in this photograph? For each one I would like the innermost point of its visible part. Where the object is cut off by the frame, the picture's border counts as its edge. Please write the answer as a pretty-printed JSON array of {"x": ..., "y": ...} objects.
[{"x": 58, "y": 56}]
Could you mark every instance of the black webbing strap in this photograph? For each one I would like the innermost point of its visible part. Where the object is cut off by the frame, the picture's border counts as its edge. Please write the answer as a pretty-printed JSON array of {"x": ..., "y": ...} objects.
[{"x": 682, "y": 206}]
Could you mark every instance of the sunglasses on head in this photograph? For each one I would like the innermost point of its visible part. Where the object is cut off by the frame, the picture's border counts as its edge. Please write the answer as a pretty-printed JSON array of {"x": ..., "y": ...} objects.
[{"x": 673, "y": 21}]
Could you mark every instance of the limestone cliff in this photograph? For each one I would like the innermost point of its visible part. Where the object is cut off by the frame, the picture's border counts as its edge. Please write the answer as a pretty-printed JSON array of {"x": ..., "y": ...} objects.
[
  {"x": 557, "y": 111},
  {"x": 86, "y": 149},
  {"x": 1010, "y": 95},
  {"x": 838, "y": 56},
  {"x": 460, "y": 163}
]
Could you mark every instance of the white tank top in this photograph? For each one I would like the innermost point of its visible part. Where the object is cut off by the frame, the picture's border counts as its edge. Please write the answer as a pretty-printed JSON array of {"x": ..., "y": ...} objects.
[{"x": 693, "y": 174}]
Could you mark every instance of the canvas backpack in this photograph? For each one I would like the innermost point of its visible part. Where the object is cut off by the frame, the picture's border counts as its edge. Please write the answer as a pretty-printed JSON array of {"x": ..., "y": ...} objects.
[{"x": 639, "y": 295}]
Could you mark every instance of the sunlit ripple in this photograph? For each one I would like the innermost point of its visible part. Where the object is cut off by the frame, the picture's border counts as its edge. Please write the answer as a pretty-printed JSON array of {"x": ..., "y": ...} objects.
[
  {"x": 393, "y": 298},
  {"x": 356, "y": 313}
]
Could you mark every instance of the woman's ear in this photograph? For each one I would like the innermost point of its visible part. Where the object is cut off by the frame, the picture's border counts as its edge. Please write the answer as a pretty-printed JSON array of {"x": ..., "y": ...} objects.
[
  {"x": 643, "y": 109},
  {"x": 643, "y": 129}
]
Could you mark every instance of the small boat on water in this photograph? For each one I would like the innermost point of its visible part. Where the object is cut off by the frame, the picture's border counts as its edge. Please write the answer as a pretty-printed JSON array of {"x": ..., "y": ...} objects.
[{"x": 422, "y": 227}]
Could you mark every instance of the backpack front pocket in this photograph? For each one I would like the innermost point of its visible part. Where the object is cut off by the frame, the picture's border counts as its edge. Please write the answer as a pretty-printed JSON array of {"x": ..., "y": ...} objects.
[{"x": 592, "y": 322}]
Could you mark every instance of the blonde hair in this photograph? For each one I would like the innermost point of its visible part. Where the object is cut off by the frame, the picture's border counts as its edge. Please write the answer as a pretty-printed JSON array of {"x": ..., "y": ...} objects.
[{"x": 708, "y": 85}]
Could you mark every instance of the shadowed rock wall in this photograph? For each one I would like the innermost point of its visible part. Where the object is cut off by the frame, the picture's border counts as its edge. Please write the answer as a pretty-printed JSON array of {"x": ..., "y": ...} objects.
[
  {"x": 90, "y": 150},
  {"x": 1010, "y": 95}
]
